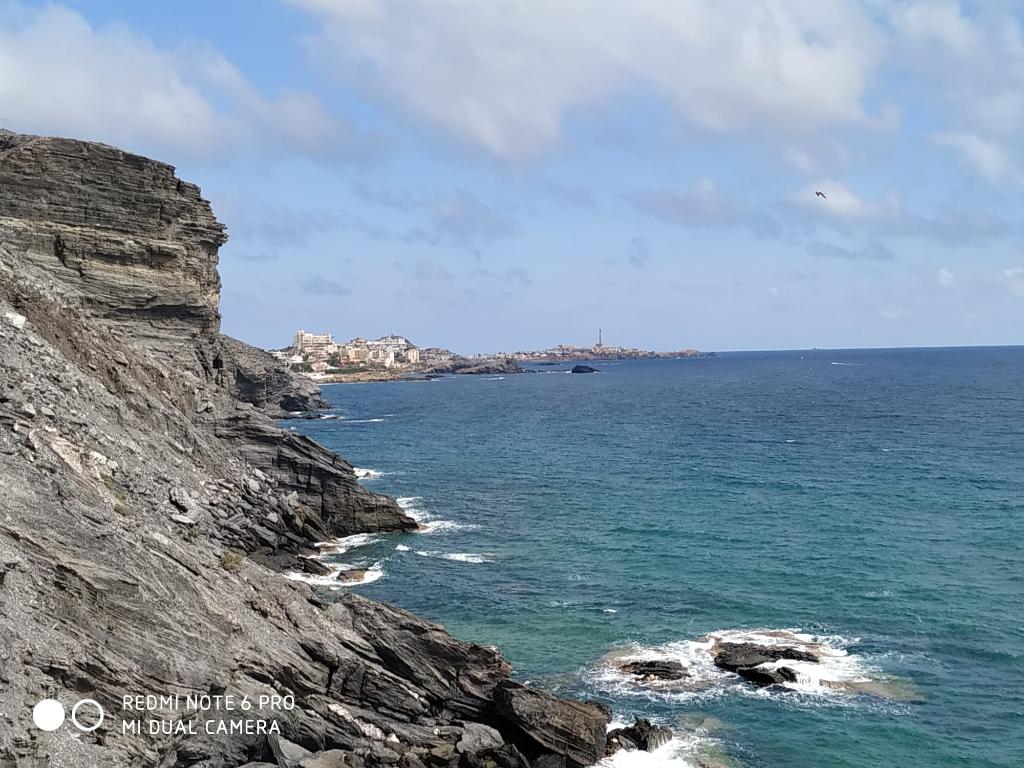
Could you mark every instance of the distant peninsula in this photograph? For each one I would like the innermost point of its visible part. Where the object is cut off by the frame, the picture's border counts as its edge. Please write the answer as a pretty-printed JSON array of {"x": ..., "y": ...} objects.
[{"x": 320, "y": 357}]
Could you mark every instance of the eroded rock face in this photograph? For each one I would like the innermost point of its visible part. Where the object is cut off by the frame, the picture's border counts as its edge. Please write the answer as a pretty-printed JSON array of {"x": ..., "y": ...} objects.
[
  {"x": 141, "y": 499},
  {"x": 574, "y": 729},
  {"x": 121, "y": 233}
]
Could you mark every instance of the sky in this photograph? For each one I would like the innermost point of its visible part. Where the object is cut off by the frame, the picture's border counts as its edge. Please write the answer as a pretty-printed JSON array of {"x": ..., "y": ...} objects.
[{"x": 489, "y": 176}]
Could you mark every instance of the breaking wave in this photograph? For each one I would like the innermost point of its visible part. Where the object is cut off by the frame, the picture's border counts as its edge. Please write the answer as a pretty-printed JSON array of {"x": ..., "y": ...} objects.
[
  {"x": 412, "y": 506},
  {"x": 837, "y": 673},
  {"x": 460, "y": 557},
  {"x": 336, "y": 579}
]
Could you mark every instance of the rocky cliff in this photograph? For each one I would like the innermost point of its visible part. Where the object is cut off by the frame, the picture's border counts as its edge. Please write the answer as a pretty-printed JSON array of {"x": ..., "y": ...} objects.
[{"x": 146, "y": 499}]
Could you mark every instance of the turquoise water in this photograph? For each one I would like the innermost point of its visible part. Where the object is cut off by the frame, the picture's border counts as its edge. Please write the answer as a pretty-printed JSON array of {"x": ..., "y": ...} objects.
[{"x": 873, "y": 499}]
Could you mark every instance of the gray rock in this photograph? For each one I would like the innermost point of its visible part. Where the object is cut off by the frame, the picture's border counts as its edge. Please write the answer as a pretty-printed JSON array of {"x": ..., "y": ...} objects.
[
  {"x": 477, "y": 737},
  {"x": 655, "y": 670},
  {"x": 332, "y": 758},
  {"x": 767, "y": 676},
  {"x": 14, "y": 320},
  {"x": 288, "y": 754},
  {"x": 641, "y": 735},
  {"x": 736, "y": 656},
  {"x": 181, "y": 499},
  {"x": 105, "y": 252},
  {"x": 570, "y": 728}
]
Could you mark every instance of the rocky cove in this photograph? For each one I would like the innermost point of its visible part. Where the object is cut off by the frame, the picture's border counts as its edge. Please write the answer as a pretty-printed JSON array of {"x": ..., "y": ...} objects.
[{"x": 148, "y": 504}]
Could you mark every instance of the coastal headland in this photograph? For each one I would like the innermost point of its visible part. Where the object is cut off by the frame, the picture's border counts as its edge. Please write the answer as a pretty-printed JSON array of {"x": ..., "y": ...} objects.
[
  {"x": 318, "y": 356},
  {"x": 150, "y": 503}
]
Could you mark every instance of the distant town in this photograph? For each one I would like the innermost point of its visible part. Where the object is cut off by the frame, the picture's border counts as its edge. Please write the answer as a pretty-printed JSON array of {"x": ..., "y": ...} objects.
[{"x": 320, "y": 357}]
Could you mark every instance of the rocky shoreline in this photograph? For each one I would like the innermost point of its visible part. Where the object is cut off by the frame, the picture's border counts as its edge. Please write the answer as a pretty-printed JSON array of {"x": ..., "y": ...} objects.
[{"x": 150, "y": 501}]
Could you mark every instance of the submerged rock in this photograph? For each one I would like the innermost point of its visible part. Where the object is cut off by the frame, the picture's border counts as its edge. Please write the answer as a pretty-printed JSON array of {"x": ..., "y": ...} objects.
[{"x": 583, "y": 369}]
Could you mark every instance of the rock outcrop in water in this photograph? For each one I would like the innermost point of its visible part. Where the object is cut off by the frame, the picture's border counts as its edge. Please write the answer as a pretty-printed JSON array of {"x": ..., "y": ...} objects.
[
  {"x": 144, "y": 490},
  {"x": 751, "y": 661}
]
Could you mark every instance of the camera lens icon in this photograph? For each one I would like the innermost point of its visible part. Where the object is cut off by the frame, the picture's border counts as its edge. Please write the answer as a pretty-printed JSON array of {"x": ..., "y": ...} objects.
[{"x": 87, "y": 715}]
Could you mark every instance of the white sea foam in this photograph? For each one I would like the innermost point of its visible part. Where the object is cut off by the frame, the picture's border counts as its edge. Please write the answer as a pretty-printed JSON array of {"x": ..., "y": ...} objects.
[
  {"x": 370, "y": 574},
  {"x": 401, "y": 548},
  {"x": 447, "y": 526},
  {"x": 682, "y": 751},
  {"x": 367, "y": 474},
  {"x": 460, "y": 557},
  {"x": 363, "y": 421},
  {"x": 837, "y": 669},
  {"x": 346, "y": 543},
  {"x": 412, "y": 506}
]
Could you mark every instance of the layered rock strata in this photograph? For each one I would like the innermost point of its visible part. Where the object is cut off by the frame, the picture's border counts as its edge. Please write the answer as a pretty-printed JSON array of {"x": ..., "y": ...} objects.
[{"x": 144, "y": 490}]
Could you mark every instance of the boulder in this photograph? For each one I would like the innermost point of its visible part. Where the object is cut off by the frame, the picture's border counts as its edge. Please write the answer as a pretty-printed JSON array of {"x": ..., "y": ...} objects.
[
  {"x": 314, "y": 566},
  {"x": 573, "y": 729},
  {"x": 548, "y": 761},
  {"x": 14, "y": 320},
  {"x": 641, "y": 735},
  {"x": 287, "y": 753},
  {"x": 765, "y": 675},
  {"x": 332, "y": 758},
  {"x": 477, "y": 737},
  {"x": 655, "y": 670},
  {"x": 735, "y": 656}
]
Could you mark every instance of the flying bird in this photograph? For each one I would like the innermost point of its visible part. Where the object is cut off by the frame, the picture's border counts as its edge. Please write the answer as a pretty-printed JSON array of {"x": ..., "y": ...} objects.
[{"x": 819, "y": 193}]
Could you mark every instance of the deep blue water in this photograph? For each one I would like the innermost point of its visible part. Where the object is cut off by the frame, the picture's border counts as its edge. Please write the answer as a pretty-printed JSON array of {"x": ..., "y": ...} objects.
[{"x": 876, "y": 504}]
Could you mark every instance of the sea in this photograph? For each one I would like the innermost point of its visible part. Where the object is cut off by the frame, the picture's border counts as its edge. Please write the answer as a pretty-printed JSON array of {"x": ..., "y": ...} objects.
[{"x": 866, "y": 504}]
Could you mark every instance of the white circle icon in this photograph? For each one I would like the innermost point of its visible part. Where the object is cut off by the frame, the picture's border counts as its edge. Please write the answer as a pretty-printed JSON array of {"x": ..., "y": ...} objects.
[
  {"x": 48, "y": 715},
  {"x": 74, "y": 715}
]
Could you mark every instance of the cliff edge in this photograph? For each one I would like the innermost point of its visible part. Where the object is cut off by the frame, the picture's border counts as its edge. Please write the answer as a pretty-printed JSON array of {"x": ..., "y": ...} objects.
[{"x": 147, "y": 497}]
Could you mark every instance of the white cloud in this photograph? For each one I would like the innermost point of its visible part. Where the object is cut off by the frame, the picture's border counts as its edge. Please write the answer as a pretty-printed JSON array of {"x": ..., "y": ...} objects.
[
  {"x": 972, "y": 64},
  {"x": 505, "y": 76},
  {"x": 945, "y": 278},
  {"x": 840, "y": 202},
  {"x": 986, "y": 158},
  {"x": 894, "y": 312},
  {"x": 60, "y": 75},
  {"x": 847, "y": 212},
  {"x": 704, "y": 205},
  {"x": 872, "y": 250},
  {"x": 1014, "y": 279}
]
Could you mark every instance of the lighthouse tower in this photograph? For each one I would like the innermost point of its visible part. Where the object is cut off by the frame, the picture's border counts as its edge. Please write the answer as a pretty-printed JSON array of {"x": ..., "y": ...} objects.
[{"x": 600, "y": 340}]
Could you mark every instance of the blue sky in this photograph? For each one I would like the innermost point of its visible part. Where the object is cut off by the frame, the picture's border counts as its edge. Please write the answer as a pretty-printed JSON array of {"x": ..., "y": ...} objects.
[{"x": 493, "y": 176}]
